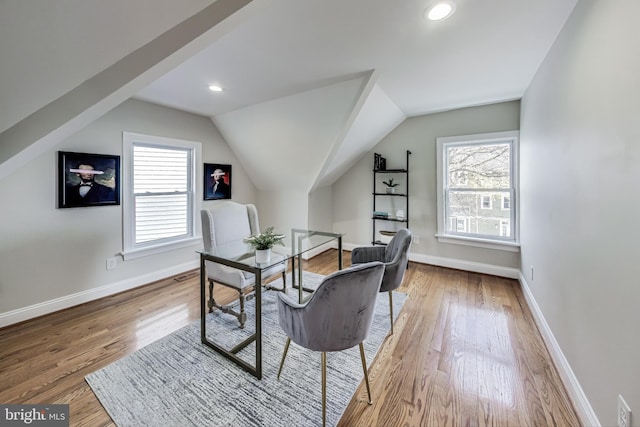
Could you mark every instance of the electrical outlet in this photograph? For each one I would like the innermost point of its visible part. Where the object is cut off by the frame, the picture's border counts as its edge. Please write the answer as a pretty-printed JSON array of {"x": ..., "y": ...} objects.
[
  {"x": 111, "y": 263},
  {"x": 624, "y": 413},
  {"x": 416, "y": 239}
]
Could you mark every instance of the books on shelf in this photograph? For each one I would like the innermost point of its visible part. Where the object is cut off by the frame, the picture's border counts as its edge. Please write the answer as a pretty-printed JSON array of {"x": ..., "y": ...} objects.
[
  {"x": 380, "y": 214},
  {"x": 379, "y": 162}
]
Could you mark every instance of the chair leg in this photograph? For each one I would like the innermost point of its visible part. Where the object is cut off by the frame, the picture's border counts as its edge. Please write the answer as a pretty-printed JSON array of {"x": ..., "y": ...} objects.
[
  {"x": 324, "y": 389},
  {"x": 284, "y": 281},
  {"x": 212, "y": 302},
  {"x": 366, "y": 374},
  {"x": 228, "y": 309},
  {"x": 243, "y": 316},
  {"x": 284, "y": 355},
  {"x": 391, "y": 309}
]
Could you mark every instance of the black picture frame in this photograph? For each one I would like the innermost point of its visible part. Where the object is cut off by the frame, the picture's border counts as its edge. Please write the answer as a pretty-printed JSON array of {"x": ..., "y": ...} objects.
[
  {"x": 223, "y": 189},
  {"x": 88, "y": 180}
]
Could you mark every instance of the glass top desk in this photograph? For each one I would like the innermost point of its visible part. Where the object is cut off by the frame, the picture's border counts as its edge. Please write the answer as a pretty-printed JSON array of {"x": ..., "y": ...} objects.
[{"x": 241, "y": 255}]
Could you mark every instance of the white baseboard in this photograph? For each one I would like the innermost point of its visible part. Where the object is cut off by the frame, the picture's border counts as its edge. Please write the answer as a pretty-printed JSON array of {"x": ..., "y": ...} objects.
[
  {"x": 458, "y": 264},
  {"x": 579, "y": 399},
  {"x": 35, "y": 310}
]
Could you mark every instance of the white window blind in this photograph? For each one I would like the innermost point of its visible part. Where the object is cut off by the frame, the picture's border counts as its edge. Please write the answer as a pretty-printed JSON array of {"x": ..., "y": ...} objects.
[
  {"x": 159, "y": 194},
  {"x": 160, "y": 186}
]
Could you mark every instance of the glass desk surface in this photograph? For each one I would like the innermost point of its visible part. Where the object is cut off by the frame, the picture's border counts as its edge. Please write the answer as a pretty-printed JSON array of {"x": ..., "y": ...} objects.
[
  {"x": 240, "y": 255},
  {"x": 300, "y": 241}
]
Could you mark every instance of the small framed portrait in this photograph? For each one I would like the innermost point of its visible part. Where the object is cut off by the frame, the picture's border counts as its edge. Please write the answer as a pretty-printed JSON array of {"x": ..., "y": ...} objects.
[
  {"x": 217, "y": 181},
  {"x": 88, "y": 180}
]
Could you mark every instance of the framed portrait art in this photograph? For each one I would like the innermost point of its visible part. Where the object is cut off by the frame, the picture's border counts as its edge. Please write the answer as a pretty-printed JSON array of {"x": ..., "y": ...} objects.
[
  {"x": 217, "y": 181},
  {"x": 88, "y": 179}
]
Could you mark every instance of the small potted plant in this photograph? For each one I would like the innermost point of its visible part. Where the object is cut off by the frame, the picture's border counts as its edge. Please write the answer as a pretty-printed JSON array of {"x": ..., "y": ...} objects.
[
  {"x": 263, "y": 243},
  {"x": 391, "y": 186}
]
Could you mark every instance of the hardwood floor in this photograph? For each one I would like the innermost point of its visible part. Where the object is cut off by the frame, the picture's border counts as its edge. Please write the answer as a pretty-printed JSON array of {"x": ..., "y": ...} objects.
[{"x": 465, "y": 352}]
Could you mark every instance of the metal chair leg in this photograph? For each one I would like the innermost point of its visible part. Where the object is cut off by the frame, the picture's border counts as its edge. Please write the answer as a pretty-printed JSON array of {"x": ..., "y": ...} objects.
[
  {"x": 391, "y": 309},
  {"x": 366, "y": 374},
  {"x": 324, "y": 389},
  {"x": 284, "y": 281},
  {"x": 284, "y": 355}
]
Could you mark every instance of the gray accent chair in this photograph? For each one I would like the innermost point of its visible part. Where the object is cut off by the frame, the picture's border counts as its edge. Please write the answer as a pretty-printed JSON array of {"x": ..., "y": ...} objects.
[
  {"x": 228, "y": 222},
  {"x": 336, "y": 317},
  {"x": 395, "y": 258}
]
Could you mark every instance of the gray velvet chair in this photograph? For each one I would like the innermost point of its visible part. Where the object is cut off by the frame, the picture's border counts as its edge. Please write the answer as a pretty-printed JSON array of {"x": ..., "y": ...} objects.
[
  {"x": 336, "y": 317},
  {"x": 228, "y": 222},
  {"x": 395, "y": 258}
]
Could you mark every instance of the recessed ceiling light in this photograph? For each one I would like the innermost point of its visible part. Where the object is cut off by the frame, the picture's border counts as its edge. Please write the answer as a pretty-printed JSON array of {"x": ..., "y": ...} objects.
[
  {"x": 440, "y": 10},
  {"x": 215, "y": 88}
]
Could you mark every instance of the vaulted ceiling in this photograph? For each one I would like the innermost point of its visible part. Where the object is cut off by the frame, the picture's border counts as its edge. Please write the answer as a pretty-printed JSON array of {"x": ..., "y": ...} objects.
[{"x": 307, "y": 83}]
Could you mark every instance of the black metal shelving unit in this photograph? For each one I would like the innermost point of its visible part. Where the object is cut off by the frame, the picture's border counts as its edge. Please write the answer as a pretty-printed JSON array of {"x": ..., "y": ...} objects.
[{"x": 377, "y": 194}]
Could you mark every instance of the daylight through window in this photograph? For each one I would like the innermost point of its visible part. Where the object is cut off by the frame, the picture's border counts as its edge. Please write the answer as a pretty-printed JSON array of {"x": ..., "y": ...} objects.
[
  {"x": 159, "y": 192},
  {"x": 478, "y": 183}
]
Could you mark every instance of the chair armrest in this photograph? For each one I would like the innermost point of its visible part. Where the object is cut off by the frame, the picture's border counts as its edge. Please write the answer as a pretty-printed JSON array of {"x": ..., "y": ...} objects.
[{"x": 364, "y": 254}]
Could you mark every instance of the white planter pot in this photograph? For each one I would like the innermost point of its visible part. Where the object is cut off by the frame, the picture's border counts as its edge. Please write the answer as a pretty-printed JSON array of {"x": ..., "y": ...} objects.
[
  {"x": 391, "y": 190},
  {"x": 263, "y": 256}
]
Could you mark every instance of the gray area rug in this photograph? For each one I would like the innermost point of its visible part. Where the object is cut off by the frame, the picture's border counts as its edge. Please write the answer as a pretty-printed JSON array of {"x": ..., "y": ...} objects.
[{"x": 177, "y": 381}]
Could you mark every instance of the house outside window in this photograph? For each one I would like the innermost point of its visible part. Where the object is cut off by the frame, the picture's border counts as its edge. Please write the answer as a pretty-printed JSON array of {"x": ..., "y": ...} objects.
[
  {"x": 506, "y": 202},
  {"x": 483, "y": 200},
  {"x": 159, "y": 187}
]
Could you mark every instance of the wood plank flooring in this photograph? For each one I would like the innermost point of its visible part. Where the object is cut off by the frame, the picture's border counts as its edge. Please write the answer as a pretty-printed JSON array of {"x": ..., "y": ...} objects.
[{"x": 465, "y": 352}]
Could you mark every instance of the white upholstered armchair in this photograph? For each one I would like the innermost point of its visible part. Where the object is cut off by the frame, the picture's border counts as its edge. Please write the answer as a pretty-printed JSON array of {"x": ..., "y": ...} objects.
[{"x": 228, "y": 222}]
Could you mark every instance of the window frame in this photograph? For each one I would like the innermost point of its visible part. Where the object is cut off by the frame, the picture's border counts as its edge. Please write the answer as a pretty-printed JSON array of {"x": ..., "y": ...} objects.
[
  {"x": 492, "y": 242},
  {"x": 131, "y": 249}
]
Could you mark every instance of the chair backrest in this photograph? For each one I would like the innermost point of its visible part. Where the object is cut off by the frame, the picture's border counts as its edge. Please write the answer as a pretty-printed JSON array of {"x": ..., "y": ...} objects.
[
  {"x": 228, "y": 221},
  {"x": 396, "y": 258},
  {"x": 339, "y": 313}
]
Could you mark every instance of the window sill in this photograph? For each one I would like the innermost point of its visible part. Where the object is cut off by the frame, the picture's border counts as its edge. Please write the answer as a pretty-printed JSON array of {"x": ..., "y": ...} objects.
[
  {"x": 157, "y": 249},
  {"x": 480, "y": 243}
]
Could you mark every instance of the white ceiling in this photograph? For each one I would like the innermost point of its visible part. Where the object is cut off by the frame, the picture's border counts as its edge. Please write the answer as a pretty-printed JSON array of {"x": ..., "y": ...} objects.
[
  {"x": 316, "y": 83},
  {"x": 488, "y": 51},
  {"x": 290, "y": 73}
]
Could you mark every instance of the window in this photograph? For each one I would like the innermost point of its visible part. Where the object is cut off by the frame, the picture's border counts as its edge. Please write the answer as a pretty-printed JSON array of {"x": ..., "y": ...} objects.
[
  {"x": 506, "y": 203},
  {"x": 473, "y": 172},
  {"x": 486, "y": 202},
  {"x": 159, "y": 194}
]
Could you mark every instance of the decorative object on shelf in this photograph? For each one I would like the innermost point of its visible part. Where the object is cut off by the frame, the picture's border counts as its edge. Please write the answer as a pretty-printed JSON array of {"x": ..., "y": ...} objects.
[
  {"x": 386, "y": 236},
  {"x": 391, "y": 186},
  {"x": 263, "y": 243},
  {"x": 88, "y": 179},
  {"x": 400, "y": 214},
  {"x": 379, "y": 162},
  {"x": 380, "y": 214}
]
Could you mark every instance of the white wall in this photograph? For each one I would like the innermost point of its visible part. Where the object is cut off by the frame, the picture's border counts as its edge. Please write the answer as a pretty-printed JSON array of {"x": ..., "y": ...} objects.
[
  {"x": 352, "y": 199},
  {"x": 580, "y": 173},
  {"x": 48, "y": 253},
  {"x": 284, "y": 209},
  {"x": 321, "y": 209}
]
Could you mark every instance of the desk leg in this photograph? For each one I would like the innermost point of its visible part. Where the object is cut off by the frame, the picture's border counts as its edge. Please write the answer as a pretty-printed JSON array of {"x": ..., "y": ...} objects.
[
  {"x": 203, "y": 309},
  {"x": 300, "y": 284},
  {"x": 258, "y": 293},
  {"x": 340, "y": 252}
]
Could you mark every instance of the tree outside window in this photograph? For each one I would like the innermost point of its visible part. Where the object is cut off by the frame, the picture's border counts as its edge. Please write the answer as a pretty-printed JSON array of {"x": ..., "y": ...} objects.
[{"x": 478, "y": 176}]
